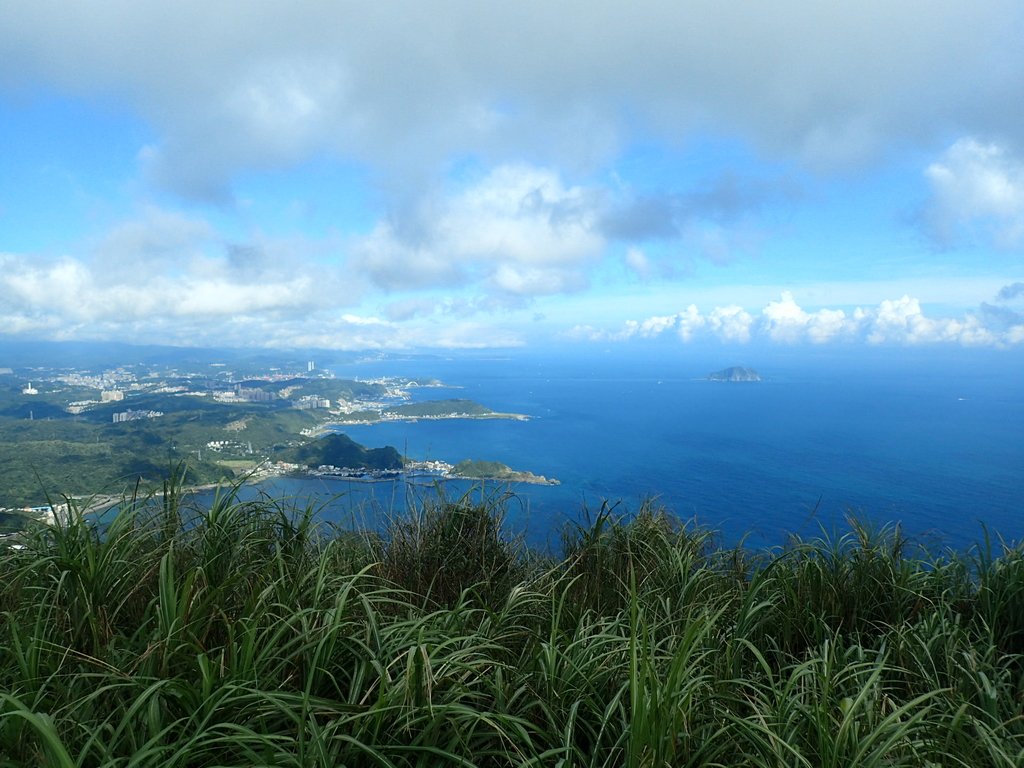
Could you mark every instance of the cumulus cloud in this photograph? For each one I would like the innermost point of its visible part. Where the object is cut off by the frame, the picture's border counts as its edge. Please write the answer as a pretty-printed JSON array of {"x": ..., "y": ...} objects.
[
  {"x": 230, "y": 88},
  {"x": 522, "y": 231},
  {"x": 519, "y": 230},
  {"x": 73, "y": 291},
  {"x": 893, "y": 321},
  {"x": 977, "y": 190},
  {"x": 785, "y": 320},
  {"x": 411, "y": 98},
  {"x": 168, "y": 277},
  {"x": 652, "y": 326},
  {"x": 68, "y": 299},
  {"x": 731, "y": 323}
]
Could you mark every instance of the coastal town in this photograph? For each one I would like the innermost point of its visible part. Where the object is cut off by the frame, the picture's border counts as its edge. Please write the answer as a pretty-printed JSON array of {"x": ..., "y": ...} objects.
[{"x": 85, "y": 430}]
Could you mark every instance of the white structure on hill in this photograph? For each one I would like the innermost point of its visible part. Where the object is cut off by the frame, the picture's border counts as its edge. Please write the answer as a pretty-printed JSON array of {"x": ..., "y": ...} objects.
[{"x": 131, "y": 415}]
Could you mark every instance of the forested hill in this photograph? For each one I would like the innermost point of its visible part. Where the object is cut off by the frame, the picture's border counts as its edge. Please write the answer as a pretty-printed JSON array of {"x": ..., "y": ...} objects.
[{"x": 341, "y": 451}]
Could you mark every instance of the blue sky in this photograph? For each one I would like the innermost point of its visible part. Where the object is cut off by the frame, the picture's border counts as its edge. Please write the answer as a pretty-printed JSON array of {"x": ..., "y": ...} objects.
[{"x": 467, "y": 174}]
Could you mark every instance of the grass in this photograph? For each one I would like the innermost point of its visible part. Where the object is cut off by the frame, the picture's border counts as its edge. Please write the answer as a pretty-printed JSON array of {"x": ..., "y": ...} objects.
[{"x": 246, "y": 634}]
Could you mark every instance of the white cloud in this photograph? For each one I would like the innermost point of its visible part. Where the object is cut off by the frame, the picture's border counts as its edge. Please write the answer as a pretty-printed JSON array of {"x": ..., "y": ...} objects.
[
  {"x": 169, "y": 278},
  {"x": 649, "y": 328},
  {"x": 893, "y": 321},
  {"x": 785, "y": 320},
  {"x": 518, "y": 231},
  {"x": 903, "y": 321},
  {"x": 73, "y": 291},
  {"x": 689, "y": 322},
  {"x": 731, "y": 323},
  {"x": 977, "y": 188},
  {"x": 230, "y": 87},
  {"x": 165, "y": 277}
]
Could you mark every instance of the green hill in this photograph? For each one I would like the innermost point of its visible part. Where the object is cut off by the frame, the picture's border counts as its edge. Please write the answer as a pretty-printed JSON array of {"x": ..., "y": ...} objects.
[{"x": 342, "y": 451}]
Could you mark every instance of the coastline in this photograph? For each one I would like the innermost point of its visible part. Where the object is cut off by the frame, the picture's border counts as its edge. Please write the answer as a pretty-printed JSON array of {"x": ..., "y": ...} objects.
[{"x": 334, "y": 424}]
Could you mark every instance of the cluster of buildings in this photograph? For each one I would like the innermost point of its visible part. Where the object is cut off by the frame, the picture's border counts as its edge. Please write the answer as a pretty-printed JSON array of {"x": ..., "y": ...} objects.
[
  {"x": 107, "y": 380},
  {"x": 307, "y": 402},
  {"x": 131, "y": 415},
  {"x": 428, "y": 467},
  {"x": 231, "y": 446},
  {"x": 115, "y": 385},
  {"x": 245, "y": 395},
  {"x": 106, "y": 396}
]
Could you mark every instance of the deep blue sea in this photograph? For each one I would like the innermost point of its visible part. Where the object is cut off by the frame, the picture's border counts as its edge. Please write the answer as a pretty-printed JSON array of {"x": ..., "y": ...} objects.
[{"x": 931, "y": 440}]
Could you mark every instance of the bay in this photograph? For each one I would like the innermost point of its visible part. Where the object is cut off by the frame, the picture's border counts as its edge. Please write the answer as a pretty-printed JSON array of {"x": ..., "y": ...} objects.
[{"x": 930, "y": 441}]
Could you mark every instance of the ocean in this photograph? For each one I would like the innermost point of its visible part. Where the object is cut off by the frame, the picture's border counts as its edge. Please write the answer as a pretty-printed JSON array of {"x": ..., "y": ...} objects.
[{"x": 931, "y": 440}]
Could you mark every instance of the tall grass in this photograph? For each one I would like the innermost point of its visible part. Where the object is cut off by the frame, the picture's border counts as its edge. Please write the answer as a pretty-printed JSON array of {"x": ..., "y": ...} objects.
[{"x": 246, "y": 633}]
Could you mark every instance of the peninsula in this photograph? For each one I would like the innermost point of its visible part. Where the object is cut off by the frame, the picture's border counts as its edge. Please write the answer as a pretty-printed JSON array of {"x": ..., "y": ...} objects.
[
  {"x": 493, "y": 470},
  {"x": 337, "y": 455},
  {"x": 458, "y": 408}
]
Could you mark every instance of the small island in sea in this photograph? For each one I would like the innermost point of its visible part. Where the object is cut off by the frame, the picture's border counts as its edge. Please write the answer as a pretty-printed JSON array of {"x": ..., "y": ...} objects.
[{"x": 735, "y": 373}]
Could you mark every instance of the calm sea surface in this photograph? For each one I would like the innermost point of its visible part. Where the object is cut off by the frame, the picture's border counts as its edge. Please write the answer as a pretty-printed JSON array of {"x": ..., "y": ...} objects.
[{"x": 935, "y": 443}]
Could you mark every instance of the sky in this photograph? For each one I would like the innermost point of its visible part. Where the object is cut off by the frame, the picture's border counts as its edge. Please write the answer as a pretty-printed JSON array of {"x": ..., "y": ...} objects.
[{"x": 463, "y": 174}]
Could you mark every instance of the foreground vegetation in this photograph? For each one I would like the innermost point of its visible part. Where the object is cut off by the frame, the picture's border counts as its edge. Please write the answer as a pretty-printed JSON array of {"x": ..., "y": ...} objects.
[{"x": 245, "y": 634}]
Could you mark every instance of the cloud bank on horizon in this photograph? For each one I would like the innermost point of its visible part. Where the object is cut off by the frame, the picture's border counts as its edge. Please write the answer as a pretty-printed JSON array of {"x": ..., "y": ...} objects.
[{"x": 467, "y": 174}]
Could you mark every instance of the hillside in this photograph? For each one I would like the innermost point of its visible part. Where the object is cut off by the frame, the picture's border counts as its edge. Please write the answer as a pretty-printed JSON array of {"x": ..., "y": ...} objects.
[
  {"x": 338, "y": 450},
  {"x": 495, "y": 470}
]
